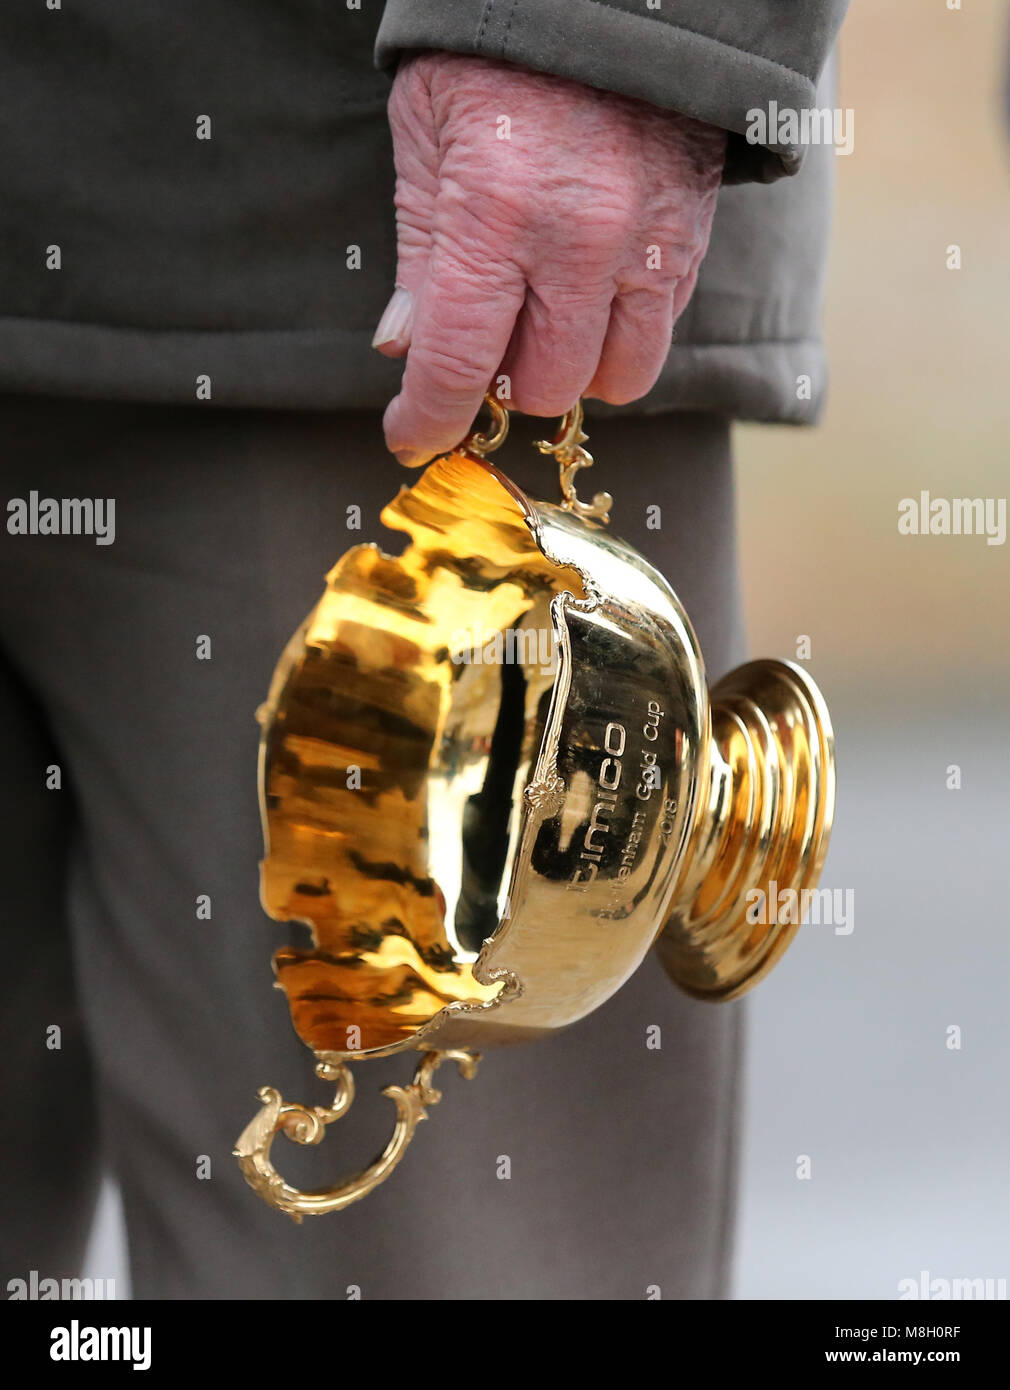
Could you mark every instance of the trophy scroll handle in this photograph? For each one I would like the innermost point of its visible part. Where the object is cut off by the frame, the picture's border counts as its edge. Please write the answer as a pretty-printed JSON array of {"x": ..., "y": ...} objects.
[
  {"x": 307, "y": 1125},
  {"x": 566, "y": 447}
]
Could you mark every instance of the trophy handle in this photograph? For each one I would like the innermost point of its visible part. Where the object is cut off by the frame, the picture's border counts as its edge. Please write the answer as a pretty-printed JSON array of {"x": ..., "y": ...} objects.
[
  {"x": 566, "y": 446},
  {"x": 307, "y": 1125}
]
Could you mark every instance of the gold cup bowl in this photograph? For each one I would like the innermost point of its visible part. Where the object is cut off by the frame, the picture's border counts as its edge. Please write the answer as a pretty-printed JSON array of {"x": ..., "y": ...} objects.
[{"x": 492, "y": 776}]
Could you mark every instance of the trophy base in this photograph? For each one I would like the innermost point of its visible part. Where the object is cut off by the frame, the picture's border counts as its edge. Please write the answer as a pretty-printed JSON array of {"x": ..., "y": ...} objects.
[{"x": 762, "y": 829}]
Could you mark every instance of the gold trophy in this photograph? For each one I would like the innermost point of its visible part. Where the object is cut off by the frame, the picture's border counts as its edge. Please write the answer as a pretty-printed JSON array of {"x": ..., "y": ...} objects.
[{"x": 492, "y": 776}]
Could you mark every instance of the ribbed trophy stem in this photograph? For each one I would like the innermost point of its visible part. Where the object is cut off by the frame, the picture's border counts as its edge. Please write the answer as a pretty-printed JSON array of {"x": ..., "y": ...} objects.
[{"x": 761, "y": 831}]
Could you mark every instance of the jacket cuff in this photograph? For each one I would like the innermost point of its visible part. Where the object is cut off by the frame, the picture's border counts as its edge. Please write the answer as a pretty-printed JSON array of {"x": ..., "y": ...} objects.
[{"x": 655, "y": 59}]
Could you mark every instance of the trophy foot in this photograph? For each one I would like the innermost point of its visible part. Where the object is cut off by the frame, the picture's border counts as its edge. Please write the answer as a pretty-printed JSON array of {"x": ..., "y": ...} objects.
[
  {"x": 761, "y": 833},
  {"x": 307, "y": 1124}
]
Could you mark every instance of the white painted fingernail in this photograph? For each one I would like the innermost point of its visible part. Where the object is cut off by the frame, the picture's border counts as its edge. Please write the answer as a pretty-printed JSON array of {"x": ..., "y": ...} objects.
[{"x": 394, "y": 326}]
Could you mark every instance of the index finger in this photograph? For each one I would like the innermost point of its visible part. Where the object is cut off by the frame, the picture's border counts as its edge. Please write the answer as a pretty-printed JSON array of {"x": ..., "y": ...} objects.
[{"x": 466, "y": 311}]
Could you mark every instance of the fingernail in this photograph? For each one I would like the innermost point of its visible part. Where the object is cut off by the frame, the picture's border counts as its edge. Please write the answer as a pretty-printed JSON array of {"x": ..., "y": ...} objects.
[
  {"x": 412, "y": 458},
  {"x": 394, "y": 326}
]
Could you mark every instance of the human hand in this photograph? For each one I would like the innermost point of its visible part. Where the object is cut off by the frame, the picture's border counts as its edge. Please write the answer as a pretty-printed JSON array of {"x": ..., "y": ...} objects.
[{"x": 548, "y": 233}]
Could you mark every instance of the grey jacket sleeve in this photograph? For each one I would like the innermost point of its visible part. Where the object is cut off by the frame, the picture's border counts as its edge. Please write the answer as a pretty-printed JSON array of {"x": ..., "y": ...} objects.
[{"x": 714, "y": 61}]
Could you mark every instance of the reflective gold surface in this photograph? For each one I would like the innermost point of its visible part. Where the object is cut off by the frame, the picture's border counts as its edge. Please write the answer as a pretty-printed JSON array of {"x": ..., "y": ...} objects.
[
  {"x": 491, "y": 774},
  {"x": 393, "y": 776}
]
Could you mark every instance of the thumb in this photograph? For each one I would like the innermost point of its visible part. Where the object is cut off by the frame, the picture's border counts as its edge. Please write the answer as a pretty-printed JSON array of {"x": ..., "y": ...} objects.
[
  {"x": 415, "y": 152},
  {"x": 413, "y": 252},
  {"x": 392, "y": 337}
]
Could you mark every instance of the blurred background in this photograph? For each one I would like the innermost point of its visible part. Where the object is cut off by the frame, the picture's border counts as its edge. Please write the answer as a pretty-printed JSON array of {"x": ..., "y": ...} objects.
[
  {"x": 908, "y": 1140},
  {"x": 849, "y": 1065}
]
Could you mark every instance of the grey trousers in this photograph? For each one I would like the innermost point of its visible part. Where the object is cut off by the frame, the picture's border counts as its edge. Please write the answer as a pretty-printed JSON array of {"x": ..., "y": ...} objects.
[{"x": 621, "y": 1157}]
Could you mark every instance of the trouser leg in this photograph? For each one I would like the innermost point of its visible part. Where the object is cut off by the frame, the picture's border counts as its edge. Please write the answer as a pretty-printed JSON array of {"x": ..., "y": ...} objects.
[
  {"x": 49, "y": 1150},
  {"x": 621, "y": 1157}
]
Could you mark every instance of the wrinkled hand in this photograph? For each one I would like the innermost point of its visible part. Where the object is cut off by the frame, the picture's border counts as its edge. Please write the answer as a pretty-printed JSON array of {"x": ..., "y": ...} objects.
[{"x": 548, "y": 233}]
